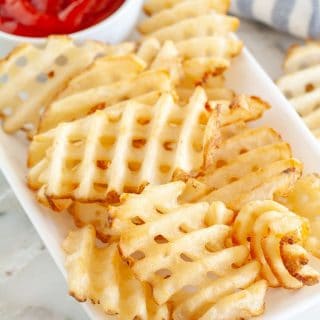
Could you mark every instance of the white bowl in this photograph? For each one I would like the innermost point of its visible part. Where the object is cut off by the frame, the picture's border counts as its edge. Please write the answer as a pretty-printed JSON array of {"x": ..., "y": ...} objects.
[{"x": 113, "y": 29}]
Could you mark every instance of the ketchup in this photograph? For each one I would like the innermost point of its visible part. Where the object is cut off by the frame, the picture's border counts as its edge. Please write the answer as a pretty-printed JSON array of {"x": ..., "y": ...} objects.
[{"x": 40, "y": 18}]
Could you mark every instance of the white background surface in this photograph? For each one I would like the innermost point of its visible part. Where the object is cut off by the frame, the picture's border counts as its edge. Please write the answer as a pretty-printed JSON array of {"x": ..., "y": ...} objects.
[{"x": 31, "y": 287}]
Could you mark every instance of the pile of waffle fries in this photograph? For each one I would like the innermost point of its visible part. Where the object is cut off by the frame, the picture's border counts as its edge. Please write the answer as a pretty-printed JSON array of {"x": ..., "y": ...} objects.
[{"x": 183, "y": 210}]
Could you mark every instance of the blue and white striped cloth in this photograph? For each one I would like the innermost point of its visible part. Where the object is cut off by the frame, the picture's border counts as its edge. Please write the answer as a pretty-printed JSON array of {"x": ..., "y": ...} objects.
[{"x": 298, "y": 17}]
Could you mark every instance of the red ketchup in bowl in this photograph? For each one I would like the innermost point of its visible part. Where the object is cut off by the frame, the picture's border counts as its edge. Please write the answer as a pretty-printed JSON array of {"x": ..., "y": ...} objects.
[{"x": 40, "y": 18}]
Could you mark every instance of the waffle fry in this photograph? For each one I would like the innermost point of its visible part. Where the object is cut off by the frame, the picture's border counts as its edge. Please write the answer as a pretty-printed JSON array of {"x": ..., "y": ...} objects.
[
  {"x": 132, "y": 223},
  {"x": 300, "y": 83},
  {"x": 215, "y": 290},
  {"x": 95, "y": 214},
  {"x": 32, "y": 77},
  {"x": 242, "y": 164},
  {"x": 168, "y": 59},
  {"x": 200, "y": 26},
  {"x": 184, "y": 94},
  {"x": 85, "y": 103},
  {"x": 213, "y": 85},
  {"x": 156, "y": 6},
  {"x": 98, "y": 214},
  {"x": 105, "y": 71},
  {"x": 99, "y": 275},
  {"x": 300, "y": 57},
  {"x": 223, "y": 46},
  {"x": 148, "y": 49},
  {"x": 173, "y": 246},
  {"x": 97, "y": 160},
  {"x": 241, "y": 108},
  {"x": 147, "y": 99},
  {"x": 303, "y": 199},
  {"x": 243, "y": 304},
  {"x": 203, "y": 42},
  {"x": 186, "y": 74},
  {"x": 181, "y": 11},
  {"x": 276, "y": 238}
]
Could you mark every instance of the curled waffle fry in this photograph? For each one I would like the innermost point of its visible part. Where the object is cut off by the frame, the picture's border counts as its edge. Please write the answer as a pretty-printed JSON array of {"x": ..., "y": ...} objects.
[
  {"x": 87, "y": 102},
  {"x": 276, "y": 237},
  {"x": 300, "y": 83},
  {"x": 97, "y": 159},
  {"x": 179, "y": 248},
  {"x": 98, "y": 274},
  {"x": 303, "y": 199},
  {"x": 31, "y": 78},
  {"x": 155, "y": 6}
]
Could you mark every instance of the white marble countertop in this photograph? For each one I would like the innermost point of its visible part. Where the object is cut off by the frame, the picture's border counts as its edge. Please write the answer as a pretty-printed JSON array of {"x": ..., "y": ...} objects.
[{"x": 31, "y": 287}]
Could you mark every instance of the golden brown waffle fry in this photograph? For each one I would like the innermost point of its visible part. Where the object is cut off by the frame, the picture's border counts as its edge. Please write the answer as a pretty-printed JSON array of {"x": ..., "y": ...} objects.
[
  {"x": 31, "y": 77},
  {"x": 141, "y": 208},
  {"x": 203, "y": 42},
  {"x": 98, "y": 274},
  {"x": 225, "y": 113},
  {"x": 105, "y": 71},
  {"x": 87, "y": 102},
  {"x": 276, "y": 237},
  {"x": 168, "y": 274},
  {"x": 146, "y": 99},
  {"x": 156, "y": 6},
  {"x": 119, "y": 150},
  {"x": 239, "y": 144},
  {"x": 242, "y": 164},
  {"x": 246, "y": 163},
  {"x": 168, "y": 59},
  {"x": 181, "y": 11},
  {"x": 221, "y": 289},
  {"x": 179, "y": 248},
  {"x": 200, "y": 26},
  {"x": 304, "y": 199},
  {"x": 301, "y": 83}
]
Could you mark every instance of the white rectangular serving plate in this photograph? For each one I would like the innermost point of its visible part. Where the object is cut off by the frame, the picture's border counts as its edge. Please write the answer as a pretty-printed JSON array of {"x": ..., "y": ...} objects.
[{"x": 245, "y": 76}]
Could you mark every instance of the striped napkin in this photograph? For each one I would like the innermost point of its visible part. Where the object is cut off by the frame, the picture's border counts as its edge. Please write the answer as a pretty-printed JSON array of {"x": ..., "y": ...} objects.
[{"x": 297, "y": 17}]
